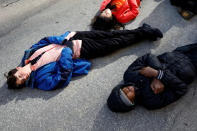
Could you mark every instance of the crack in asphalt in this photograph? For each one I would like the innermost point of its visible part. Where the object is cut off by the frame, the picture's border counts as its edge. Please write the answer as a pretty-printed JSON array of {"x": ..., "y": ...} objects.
[
  {"x": 6, "y": 5},
  {"x": 180, "y": 112},
  {"x": 174, "y": 120}
]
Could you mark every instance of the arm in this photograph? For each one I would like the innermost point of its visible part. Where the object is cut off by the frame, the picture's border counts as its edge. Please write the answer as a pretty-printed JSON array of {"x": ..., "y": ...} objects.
[
  {"x": 186, "y": 48},
  {"x": 56, "y": 74},
  {"x": 80, "y": 67},
  {"x": 174, "y": 89},
  {"x": 164, "y": 77},
  {"x": 128, "y": 14},
  {"x": 145, "y": 60},
  {"x": 50, "y": 40},
  {"x": 133, "y": 70},
  {"x": 43, "y": 42},
  {"x": 138, "y": 64},
  {"x": 171, "y": 81}
]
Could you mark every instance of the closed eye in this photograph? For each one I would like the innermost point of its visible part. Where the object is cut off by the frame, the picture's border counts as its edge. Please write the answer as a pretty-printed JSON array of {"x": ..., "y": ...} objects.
[{"x": 19, "y": 76}]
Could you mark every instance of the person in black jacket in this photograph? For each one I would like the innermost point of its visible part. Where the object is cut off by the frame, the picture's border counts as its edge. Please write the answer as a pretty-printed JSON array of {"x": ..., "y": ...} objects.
[
  {"x": 155, "y": 81},
  {"x": 187, "y": 8}
]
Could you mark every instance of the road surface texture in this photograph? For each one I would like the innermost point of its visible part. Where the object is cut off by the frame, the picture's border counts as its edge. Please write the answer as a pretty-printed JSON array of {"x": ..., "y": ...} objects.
[{"x": 81, "y": 106}]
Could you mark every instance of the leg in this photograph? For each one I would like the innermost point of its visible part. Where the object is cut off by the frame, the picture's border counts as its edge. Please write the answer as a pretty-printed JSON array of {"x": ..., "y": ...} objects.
[
  {"x": 99, "y": 47},
  {"x": 100, "y": 34},
  {"x": 152, "y": 33},
  {"x": 187, "y": 48},
  {"x": 190, "y": 51},
  {"x": 94, "y": 48}
]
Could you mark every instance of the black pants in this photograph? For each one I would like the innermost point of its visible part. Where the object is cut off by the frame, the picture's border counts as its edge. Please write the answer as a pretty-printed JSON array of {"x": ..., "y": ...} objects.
[
  {"x": 190, "y": 51},
  {"x": 100, "y": 43}
]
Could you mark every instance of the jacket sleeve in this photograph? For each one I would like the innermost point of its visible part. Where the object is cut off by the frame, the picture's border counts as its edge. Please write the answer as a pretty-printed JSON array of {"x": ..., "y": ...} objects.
[
  {"x": 128, "y": 14},
  {"x": 174, "y": 83},
  {"x": 174, "y": 89},
  {"x": 80, "y": 67},
  {"x": 104, "y": 4},
  {"x": 143, "y": 61},
  {"x": 186, "y": 48},
  {"x": 50, "y": 40},
  {"x": 59, "y": 76}
]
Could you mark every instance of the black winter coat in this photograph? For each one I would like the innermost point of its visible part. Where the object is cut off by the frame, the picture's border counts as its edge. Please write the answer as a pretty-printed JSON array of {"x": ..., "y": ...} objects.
[
  {"x": 190, "y": 5},
  {"x": 178, "y": 71}
]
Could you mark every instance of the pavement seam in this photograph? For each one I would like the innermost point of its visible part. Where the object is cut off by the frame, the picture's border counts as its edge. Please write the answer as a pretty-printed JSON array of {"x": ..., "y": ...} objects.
[{"x": 6, "y": 5}]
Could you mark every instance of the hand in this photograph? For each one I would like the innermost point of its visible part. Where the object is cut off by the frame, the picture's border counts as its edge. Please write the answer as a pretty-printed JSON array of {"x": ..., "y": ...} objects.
[
  {"x": 148, "y": 72},
  {"x": 157, "y": 86}
]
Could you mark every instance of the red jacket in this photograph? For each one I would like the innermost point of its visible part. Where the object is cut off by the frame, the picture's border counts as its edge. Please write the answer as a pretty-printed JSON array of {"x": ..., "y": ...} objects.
[{"x": 127, "y": 12}]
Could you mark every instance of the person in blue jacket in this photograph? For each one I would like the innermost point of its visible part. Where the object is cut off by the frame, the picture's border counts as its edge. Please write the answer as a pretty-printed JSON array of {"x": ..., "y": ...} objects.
[{"x": 50, "y": 63}]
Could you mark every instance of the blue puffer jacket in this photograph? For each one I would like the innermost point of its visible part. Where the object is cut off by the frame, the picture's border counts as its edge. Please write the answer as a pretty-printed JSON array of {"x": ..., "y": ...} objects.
[{"x": 55, "y": 74}]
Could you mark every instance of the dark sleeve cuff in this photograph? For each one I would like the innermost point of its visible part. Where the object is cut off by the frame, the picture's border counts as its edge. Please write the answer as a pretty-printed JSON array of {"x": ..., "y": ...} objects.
[
  {"x": 69, "y": 44},
  {"x": 160, "y": 74}
]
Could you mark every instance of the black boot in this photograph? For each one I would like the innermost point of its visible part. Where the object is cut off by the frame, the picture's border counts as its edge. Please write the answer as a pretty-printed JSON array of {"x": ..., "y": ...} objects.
[
  {"x": 188, "y": 5},
  {"x": 186, "y": 14},
  {"x": 151, "y": 33}
]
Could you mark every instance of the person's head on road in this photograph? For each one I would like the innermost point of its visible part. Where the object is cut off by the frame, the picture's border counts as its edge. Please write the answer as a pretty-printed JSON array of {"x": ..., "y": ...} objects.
[
  {"x": 106, "y": 13},
  {"x": 17, "y": 77},
  {"x": 105, "y": 21},
  {"x": 122, "y": 98}
]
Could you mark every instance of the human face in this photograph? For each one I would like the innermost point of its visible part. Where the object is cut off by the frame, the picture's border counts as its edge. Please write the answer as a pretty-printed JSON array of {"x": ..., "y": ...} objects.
[
  {"x": 21, "y": 75},
  {"x": 129, "y": 92},
  {"x": 106, "y": 13}
]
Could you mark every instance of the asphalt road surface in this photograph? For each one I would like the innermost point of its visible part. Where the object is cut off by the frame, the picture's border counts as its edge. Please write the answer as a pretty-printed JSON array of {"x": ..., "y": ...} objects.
[{"x": 81, "y": 106}]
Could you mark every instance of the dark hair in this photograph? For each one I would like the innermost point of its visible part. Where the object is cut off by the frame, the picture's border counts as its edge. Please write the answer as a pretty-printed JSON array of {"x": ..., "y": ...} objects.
[
  {"x": 11, "y": 80},
  {"x": 106, "y": 24}
]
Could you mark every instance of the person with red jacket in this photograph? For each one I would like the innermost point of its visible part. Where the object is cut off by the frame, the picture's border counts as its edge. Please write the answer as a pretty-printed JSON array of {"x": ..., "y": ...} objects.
[{"x": 114, "y": 14}]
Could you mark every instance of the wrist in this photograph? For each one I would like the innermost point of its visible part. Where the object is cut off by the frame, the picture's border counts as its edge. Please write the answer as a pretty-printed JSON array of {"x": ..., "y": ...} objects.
[
  {"x": 159, "y": 74},
  {"x": 29, "y": 67},
  {"x": 155, "y": 73}
]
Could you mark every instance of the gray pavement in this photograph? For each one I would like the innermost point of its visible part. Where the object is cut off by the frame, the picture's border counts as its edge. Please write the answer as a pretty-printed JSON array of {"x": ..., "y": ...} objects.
[
  {"x": 13, "y": 12},
  {"x": 81, "y": 106}
]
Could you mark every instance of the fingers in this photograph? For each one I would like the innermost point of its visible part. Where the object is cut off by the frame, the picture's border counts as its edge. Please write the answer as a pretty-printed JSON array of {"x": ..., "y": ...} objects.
[
  {"x": 158, "y": 89},
  {"x": 157, "y": 86},
  {"x": 142, "y": 71},
  {"x": 144, "y": 68},
  {"x": 152, "y": 87},
  {"x": 148, "y": 71}
]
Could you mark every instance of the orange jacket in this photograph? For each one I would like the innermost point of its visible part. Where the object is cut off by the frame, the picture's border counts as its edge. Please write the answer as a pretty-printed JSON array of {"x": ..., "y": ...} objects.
[{"x": 127, "y": 12}]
